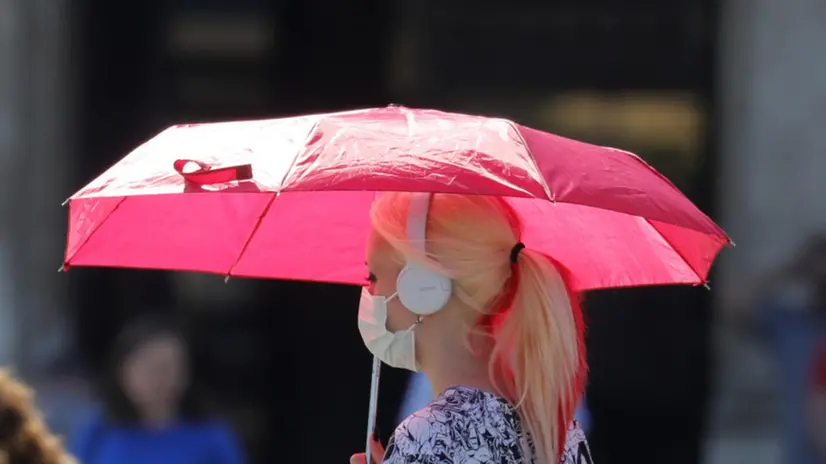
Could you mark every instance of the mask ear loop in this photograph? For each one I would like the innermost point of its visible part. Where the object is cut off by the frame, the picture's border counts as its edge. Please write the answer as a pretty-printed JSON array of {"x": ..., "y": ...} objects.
[{"x": 418, "y": 322}]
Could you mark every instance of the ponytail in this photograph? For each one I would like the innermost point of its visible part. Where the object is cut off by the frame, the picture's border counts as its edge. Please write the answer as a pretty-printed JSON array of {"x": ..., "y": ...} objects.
[{"x": 539, "y": 352}]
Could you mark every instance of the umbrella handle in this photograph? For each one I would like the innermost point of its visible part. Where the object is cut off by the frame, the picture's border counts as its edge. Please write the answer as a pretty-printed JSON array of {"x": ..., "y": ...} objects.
[
  {"x": 373, "y": 410},
  {"x": 206, "y": 175}
]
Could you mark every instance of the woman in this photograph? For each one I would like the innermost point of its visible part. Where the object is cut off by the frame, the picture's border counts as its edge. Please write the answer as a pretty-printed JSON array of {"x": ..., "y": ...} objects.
[
  {"x": 24, "y": 439},
  {"x": 491, "y": 324},
  {"x": 150, "y": 413}
]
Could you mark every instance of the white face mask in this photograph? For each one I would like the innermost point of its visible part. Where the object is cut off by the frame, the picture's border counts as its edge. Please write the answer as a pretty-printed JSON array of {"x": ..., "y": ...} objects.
[{"x": 394, "y": 349}]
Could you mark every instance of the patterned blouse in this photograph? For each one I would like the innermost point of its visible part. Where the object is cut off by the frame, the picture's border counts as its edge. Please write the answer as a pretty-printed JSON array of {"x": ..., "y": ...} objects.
[{"x": 470, "y": 426}]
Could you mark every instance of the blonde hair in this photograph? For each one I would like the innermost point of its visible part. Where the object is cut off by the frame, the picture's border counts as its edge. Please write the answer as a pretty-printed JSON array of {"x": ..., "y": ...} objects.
[
  {"x": 23, "y": 436},
  {"x": 538, "y": 357}
]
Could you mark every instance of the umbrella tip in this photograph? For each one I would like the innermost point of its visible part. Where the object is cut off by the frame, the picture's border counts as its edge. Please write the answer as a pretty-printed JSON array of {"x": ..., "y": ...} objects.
[
  {"x": 62, "y": 268},
  {"x": 707, "y": 286},
  {"x": 65, "y": 202},
  {"x": 731, "y": 242},
  {"x": 226, "y": 279}
]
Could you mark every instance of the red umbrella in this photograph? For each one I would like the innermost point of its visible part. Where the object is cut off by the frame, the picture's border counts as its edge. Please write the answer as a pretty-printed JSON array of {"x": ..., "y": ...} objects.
[{"x": 288, "y": 198}]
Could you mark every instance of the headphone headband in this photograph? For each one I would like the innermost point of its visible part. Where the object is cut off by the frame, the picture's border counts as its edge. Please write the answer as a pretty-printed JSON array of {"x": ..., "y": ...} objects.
[
  {"x": 417, "y": 219},
  {"x": 421, "y": 290}
]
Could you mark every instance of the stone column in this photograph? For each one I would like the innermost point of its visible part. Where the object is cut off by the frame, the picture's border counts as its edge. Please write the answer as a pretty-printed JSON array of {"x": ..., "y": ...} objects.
[
  {"x": 10, "y": 83},
  {"x": 36, "y": 158}
]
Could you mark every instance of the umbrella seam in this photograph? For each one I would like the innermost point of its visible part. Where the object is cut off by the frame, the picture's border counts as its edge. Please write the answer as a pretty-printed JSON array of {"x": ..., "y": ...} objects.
[
  {"x": 703, "y": 280},
  {"x": 295, "y": 158},
  {"x": 97, "y": 227},
  {"x": 545, "y": 185},
  {"x": 671, "y": 184},
  {"x": 273, "y": 196},
  {"x": 254, "y": 230}
]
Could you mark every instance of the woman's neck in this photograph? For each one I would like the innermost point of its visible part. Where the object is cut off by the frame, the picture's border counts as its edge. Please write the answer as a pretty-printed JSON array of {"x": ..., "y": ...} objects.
[
  {"x": 158, "y": 418},
  {"x": 461, "y": 368}
]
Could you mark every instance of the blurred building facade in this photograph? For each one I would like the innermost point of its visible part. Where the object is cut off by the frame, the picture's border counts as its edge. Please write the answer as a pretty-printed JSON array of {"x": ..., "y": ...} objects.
[{"x": 36, "y": 93}]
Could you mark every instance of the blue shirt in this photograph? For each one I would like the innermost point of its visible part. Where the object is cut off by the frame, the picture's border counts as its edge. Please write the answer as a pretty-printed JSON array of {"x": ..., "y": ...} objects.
[{"x": 96, "y": 442}]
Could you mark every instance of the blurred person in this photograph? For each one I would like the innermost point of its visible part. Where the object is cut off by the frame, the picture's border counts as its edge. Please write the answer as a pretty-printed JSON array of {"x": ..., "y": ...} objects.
[
  {"x": 792, "y": 314},
  {"x": 816, "y": 407},
  {"x": 150, "y": 413},
  {"x": 64, "y": 394},
  {"x": 24, "y": 439},
  {"x": 500, "y": 340}
]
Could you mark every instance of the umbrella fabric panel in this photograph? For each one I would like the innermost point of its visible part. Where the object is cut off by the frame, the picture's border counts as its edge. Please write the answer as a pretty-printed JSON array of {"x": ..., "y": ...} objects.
[
  {"x": 198, "y": 232},
  {"x": 606, "y": 249},
  {"x": 316, "y": 236},
  {"x": 697, "y": 249},
  {"x": 412, "y": 150},
  {"x": 270, "y": 146},
  {"x": 321, "y": 236},
  {"x": 397, "y": 149},
  {"x": 607, "y": 178}
]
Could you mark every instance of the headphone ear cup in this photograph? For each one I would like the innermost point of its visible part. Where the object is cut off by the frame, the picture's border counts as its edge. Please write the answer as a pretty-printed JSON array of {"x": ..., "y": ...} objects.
[{"x": 423, "y": 291}]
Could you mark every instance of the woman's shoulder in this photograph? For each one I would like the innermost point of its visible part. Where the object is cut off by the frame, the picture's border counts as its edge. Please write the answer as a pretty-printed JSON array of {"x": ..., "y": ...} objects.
[
  {"x": 209, "y": 427},
  {"x": 461, "y": 423},
  {"x": 423, "y": 434},
  {"x": 458, "y": 406},
  {"x": 215, "y": 435},
  {"x": 467, "y": 423},
  {"x": 223, "y": 440}
]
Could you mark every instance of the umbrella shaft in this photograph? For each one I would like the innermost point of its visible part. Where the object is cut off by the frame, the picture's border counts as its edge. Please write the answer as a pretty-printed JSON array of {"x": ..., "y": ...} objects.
[{"x": 374, "y": 400}]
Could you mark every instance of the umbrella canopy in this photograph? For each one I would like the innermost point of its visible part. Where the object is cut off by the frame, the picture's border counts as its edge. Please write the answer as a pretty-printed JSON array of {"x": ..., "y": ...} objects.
[{"x": 289, "y": 198}]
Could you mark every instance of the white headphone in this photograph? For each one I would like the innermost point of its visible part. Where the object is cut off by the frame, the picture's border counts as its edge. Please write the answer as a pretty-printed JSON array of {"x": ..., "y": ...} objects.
[{"x": 421, "y": 290}]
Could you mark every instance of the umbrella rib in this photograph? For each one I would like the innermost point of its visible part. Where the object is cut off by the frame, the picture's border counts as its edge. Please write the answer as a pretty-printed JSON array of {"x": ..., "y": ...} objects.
[
  {"x": 307, "y": 138},
  {"x": 702, "y": 281},
  {"x": 67, "y": 259},
  {"x": 545, "y": 186},
  {"x": 252, "y": 233}
]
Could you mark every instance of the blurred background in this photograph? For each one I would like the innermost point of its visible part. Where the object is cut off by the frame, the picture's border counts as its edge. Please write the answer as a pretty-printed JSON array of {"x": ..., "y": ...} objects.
[{"x": 724, "y": 97}]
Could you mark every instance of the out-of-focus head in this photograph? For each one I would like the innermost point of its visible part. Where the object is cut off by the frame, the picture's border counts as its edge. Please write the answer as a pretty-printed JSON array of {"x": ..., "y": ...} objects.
[
  {"x": 155, "y": 372},
  {"x": 537, "y": 359},
  {"x": 149, "y": 370}
]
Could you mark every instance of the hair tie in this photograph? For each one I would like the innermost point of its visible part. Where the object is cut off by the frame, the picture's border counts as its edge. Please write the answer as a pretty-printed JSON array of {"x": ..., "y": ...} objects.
[{"x": 515, "y": 252}]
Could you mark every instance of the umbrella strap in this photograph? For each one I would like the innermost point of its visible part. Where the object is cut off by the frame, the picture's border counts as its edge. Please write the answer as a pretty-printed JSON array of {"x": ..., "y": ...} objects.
[{"x": 206, "y": 175}]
